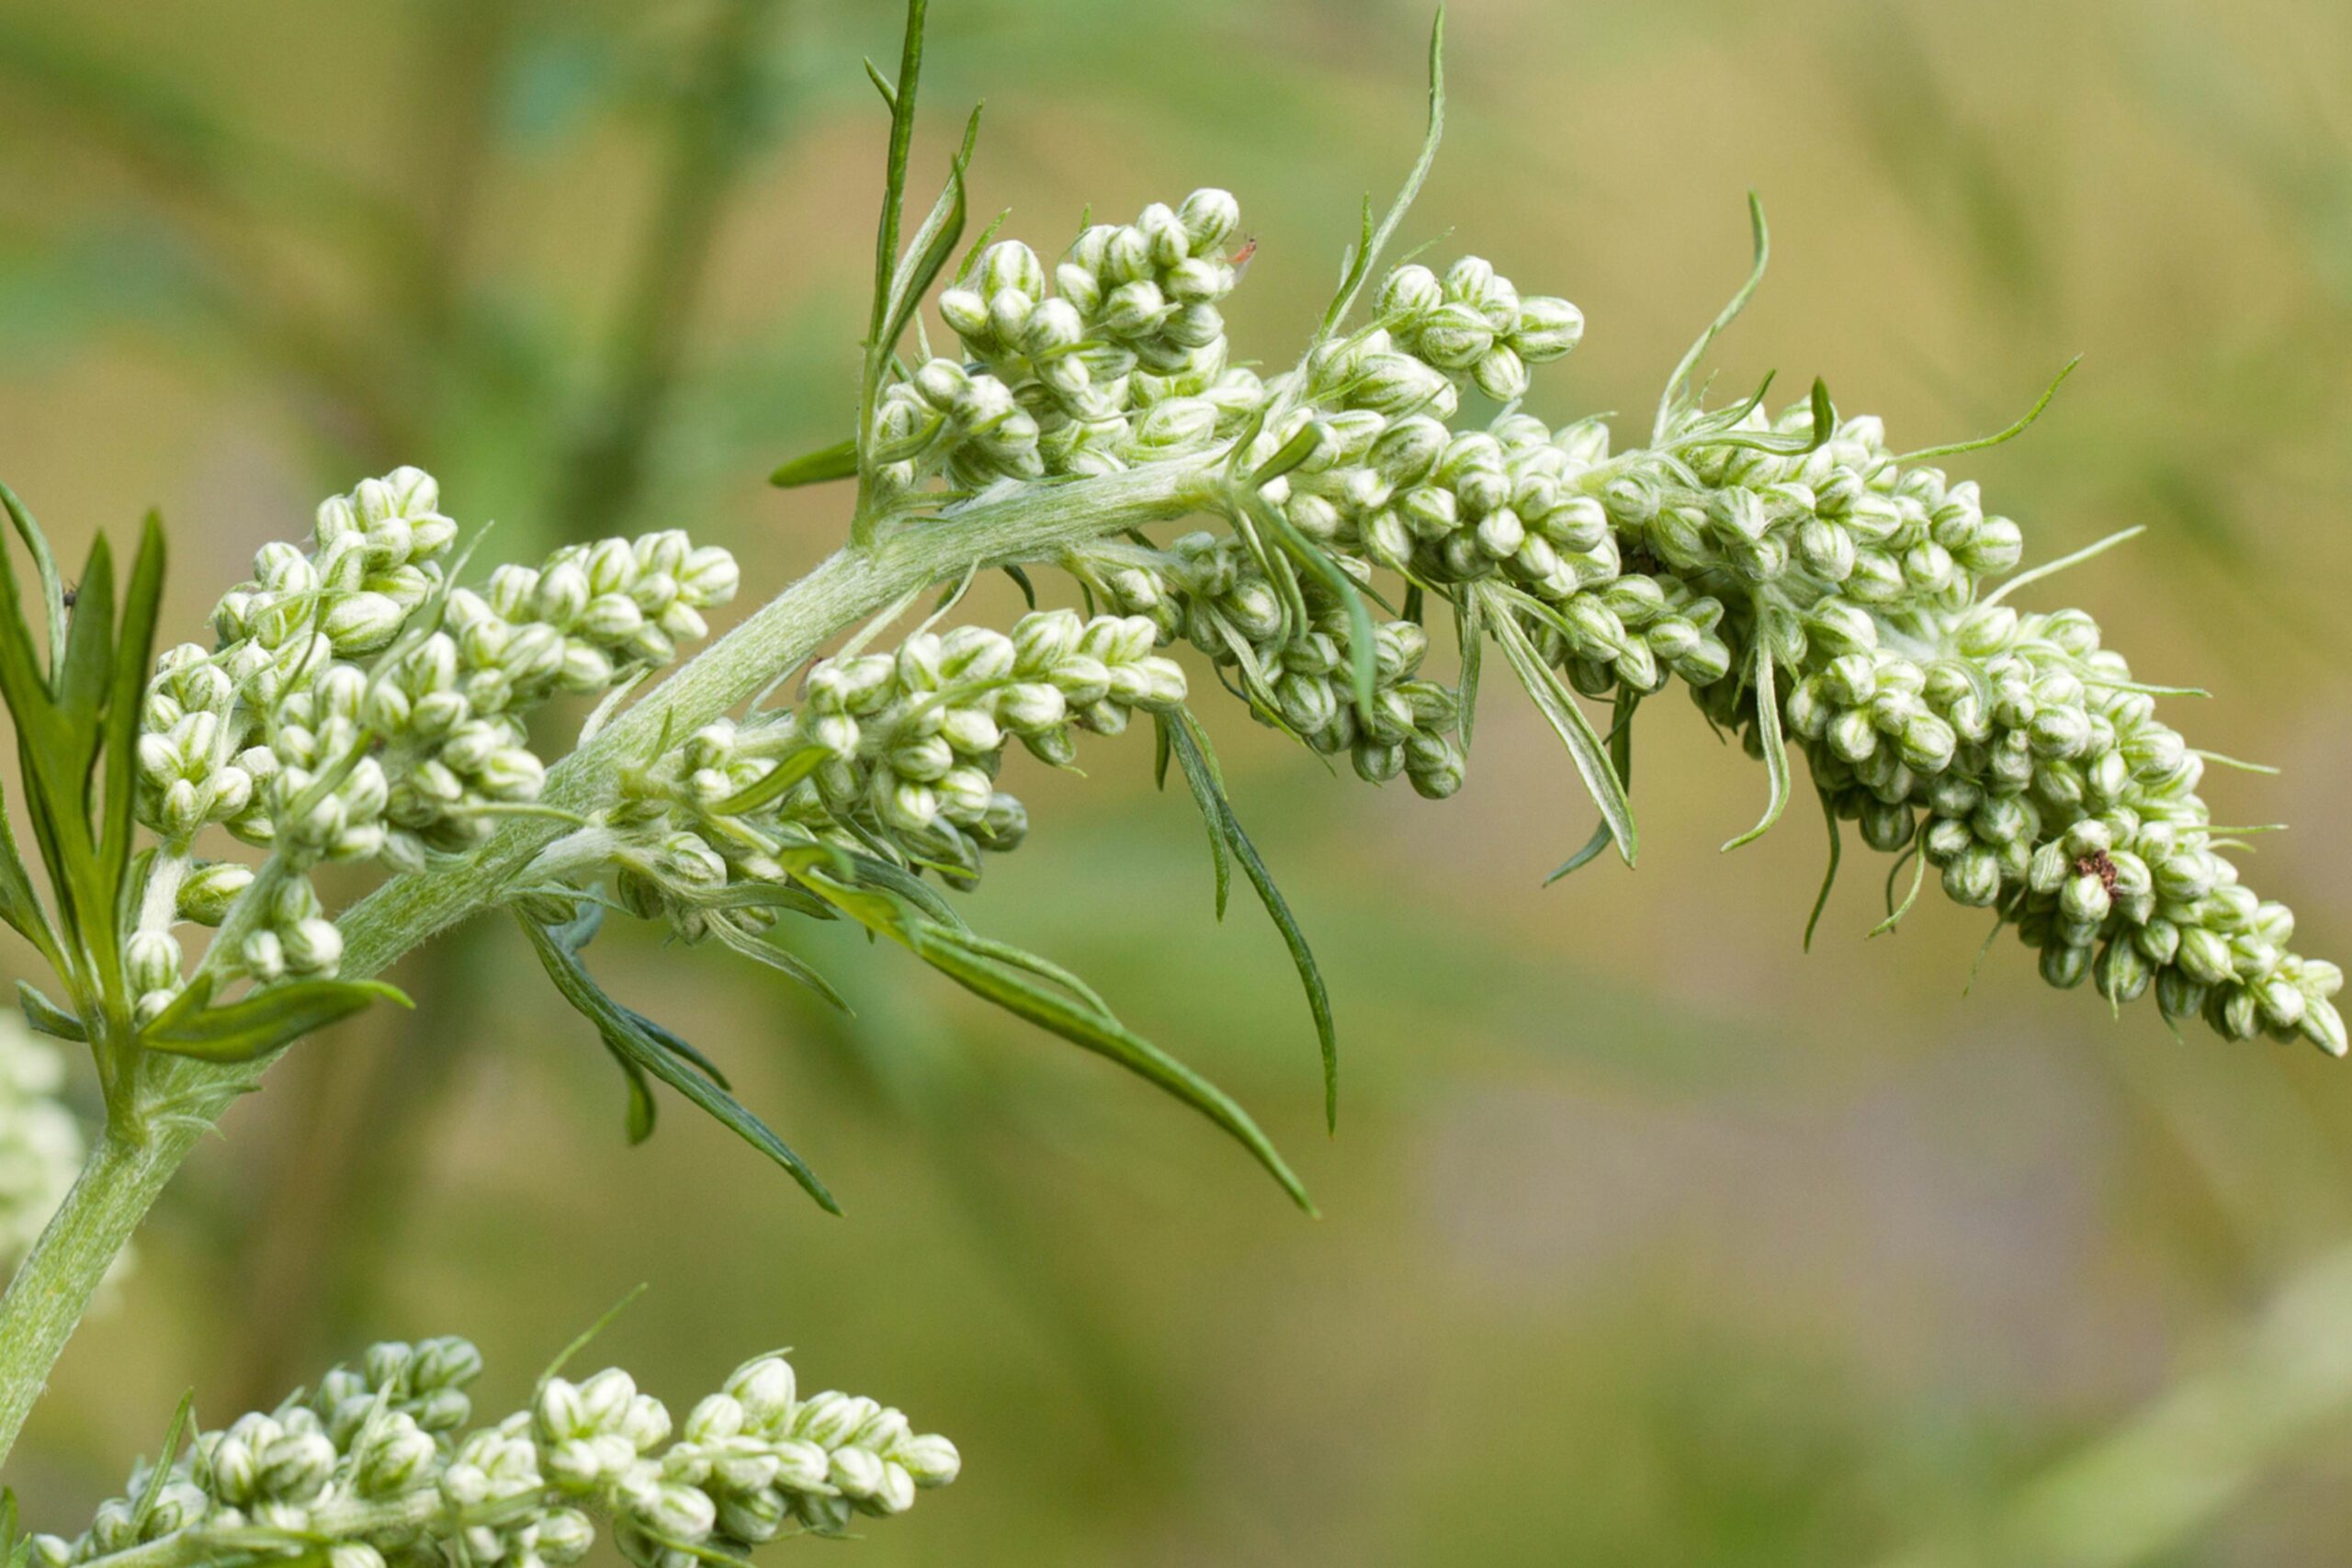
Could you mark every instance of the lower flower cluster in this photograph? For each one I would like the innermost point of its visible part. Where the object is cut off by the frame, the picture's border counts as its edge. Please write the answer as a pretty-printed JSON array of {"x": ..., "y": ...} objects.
[{"x": 381, "y": 1465}]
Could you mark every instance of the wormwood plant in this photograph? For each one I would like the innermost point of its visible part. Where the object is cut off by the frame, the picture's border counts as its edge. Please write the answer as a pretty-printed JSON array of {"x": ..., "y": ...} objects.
[{"x": 359, "y": 703}]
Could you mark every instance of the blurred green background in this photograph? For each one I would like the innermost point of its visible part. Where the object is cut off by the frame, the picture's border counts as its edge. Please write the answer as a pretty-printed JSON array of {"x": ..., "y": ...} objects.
[{"x": 1647, "y": 1238}]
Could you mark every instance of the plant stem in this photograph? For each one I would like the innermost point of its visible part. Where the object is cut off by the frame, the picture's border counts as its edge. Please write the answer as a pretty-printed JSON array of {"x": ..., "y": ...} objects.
[
  {"x": 180, "y": 1098},
  {"x": 53, "y": 1286}
]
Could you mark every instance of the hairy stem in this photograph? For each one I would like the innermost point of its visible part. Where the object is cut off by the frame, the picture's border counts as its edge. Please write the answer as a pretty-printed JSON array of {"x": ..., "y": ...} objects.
[
  {"x": 53, "y": 1287},
  {"x": 179, "y": 1099}
]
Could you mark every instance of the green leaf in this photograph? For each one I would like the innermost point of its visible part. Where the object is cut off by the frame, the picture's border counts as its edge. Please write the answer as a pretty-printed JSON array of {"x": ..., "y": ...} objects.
[
  {"x": 88, "y": 700},
  {"x": 1620, "y": 753},
  {"x": 1470, "y": 635},
  {"x": 1293, "y": 452},
  {"x": 1208, "y": 788},
  {"x": 645, "y": 1049},
  {"x": 585, "y": 1337},
  {"x": 1895, "y": 912},
  {"x": 1677, "y": 384},
  {"x": 52, "y": 589},
  {"x": 2011, "y": 434},
  {"x": 933, "y": 243},
  {"x": 48, "y": 1018},
  {"x": 1093, "y": 1031},
  {"x": 1364, "y": 644},
  {"x": 82, "y": 679},
  {"x": 1208, "y": 792},
  {"x": 2035, "y": 574},
  {"x": 16, "y": 1551},
  {"x": 981, "y": 969},
  {"x": 254, "y": 1026},
  {"x": 19, "y": 903},
  {"x": 777, "y": 783},
  {"x": 1768, "y": 731},
  {"x": 1368, "y": 252},
  {"x": 792, "y": 968},
  {"x": 1013, "y": 957},
  {"x": 838, "y": 461},
  {"x": 134, "y": 655},
  {"x": 1829, "y": 877},
  {"x": 901, "y": 100},
  {"x": 1559, "y": 709},
  {"x": 183, "y": 1424}
]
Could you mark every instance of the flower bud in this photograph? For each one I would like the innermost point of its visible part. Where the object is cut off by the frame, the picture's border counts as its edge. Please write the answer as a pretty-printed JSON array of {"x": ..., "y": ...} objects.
[
  {"x": 1547, "y": 328},
  {"x": 1409, "y": 294},
  {"x": 1210, "y": 217},
  {"x": 363, "y": 622}
]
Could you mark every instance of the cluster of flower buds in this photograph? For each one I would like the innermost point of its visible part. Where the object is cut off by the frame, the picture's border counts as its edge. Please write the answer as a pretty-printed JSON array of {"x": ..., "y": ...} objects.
[
  {"x": 41, "y": 1143},
  {"x": 896, "y": 753},
  {"x": 2010, "y": 751},
  {"x": 957, "y": 424},
  {"x": 1472, "y": 323},
  {"x": 1840, "y": 518},
  {"x": 1386, "y": 483},
  {"x": 360, "y": 708},
  {"x": 1126, "y": 363},
  {"x": 2021, "y": 759},
  {"x": 378, "y": 1466},
  {"x": 1210, "y": 592}
]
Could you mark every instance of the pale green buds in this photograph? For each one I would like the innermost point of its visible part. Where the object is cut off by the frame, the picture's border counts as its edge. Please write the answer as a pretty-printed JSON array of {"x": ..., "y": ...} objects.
[{"x": 356, "y": 1469}]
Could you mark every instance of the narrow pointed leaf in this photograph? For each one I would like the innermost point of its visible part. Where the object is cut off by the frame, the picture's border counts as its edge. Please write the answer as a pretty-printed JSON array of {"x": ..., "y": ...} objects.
[
  {"x": 52, "y": 588},
  {"x": 1829, "y": 877},
  {"x": 134, "y": 655},
  {"x": 19, "y": 902},
  {"x": 933, "y": 243},
  {"x": 1621, "y": 753},
  {"x": 838, "y": 461},
  {"x": 84, "y": 677},
  {"x": 585, "y": 1337},
  {"x": 792, "y": 968},
  {"x": 1677, "y": 384},
  {"x": 1559, "y": 709},
  {"x": 777, "y": 783},
  {"x": 1367, "y": 253},
  {"x": 1019, "y": 993},
  {"x": 1193, "y": 750},
  {"x": 48, "y": 1018},
  {"x": 1768, "y": 728},
  {"x": 253, "y": 1027},
  {"x": 182, "y": 1423},
  {"x": 1470, "y": 633},
  {"x": 2025, "y": 423},
  {"x": 1207, "y": 795},
  {"x": 645, "y": 1049},
  {"x": 1106, "y": 1037}
]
